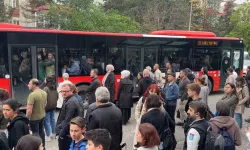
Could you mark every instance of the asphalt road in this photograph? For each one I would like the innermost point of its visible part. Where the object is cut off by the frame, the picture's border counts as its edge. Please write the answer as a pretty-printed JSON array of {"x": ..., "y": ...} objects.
[{"x": 129, "y": 129}]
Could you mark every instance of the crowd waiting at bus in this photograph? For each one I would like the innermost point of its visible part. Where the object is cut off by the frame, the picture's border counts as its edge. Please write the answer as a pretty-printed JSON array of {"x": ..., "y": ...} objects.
[{"x": 156, "y": 113}]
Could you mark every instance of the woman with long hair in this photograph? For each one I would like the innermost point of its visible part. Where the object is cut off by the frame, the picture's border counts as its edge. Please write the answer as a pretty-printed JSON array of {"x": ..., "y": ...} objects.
[
  {"x": 230, "y": 97},
  {"x": 204, "y": 89},
  {"x": 29, "y": 142},
  {"x": 161, "y": 121},
  {"x": 140, "y": 108},
  {"x": 50, "y": 108},
  {"x": 243, "y": 96},
  {"x": 147, "y": 137},
  {"x": 204, "y": 72}
]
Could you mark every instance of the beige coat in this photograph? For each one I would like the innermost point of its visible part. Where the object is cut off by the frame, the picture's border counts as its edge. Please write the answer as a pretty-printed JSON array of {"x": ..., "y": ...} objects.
[{"x": 243, "y": 96}]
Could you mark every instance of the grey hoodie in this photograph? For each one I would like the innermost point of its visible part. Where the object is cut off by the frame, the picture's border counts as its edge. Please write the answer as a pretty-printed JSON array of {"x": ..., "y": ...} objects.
[{"x": 230, "y": 125}]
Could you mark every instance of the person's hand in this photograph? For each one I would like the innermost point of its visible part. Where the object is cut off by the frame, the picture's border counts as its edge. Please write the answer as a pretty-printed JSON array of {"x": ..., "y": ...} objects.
[{"x": 238, "y": 89}]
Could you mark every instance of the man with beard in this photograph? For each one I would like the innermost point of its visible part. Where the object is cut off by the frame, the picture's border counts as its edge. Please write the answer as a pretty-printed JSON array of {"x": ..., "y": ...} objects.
[
  {"x": 196, "y": 136},
  {"x": 93, "y": 86}
]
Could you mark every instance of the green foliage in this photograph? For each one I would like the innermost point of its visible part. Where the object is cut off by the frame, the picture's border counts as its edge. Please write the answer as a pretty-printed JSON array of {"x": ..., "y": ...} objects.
[
  {"x": 154, "y": 14},
  {"x": 5, "y": 13},
  {"x": 222, "y": 25},
  {"x": 86, "y": 16},
  {"x": 240, "y": 23}
]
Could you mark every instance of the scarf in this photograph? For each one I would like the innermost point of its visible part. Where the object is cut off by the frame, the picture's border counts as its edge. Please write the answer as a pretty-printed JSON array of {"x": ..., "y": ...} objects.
[{"x": 105, "y": 77}]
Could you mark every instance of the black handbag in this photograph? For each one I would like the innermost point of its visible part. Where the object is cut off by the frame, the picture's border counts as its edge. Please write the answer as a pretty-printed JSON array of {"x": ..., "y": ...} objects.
[
  {"x": 169, "y": 141},
  {"x": 168, "y": 138}
]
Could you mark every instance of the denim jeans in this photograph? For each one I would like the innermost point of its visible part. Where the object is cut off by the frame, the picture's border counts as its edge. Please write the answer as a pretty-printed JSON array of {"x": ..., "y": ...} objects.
[
  {"x": 238, "y": 118},
  {"x": 37, "y": 128},
  {"x": 50, "y": 123}
]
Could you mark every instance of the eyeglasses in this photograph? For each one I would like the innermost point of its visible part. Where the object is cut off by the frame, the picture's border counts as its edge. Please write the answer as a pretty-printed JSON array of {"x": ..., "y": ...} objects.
[{"x": 65, "y": 91}]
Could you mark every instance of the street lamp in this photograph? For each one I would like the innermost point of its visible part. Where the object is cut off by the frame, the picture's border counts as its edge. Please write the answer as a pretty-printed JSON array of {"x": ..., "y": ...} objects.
[{"x": 190, "y": 15}]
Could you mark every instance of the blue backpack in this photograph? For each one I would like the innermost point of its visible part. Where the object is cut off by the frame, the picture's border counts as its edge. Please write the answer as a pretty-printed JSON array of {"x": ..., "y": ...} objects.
[{"x": 228, "y": 141}]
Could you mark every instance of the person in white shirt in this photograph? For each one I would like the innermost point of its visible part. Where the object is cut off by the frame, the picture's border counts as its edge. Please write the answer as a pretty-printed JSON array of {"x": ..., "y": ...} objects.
[
  {"x": 197, "y": 133},
  {"x": 65, "y": 77},
  {"x": 158, "y": 75},
  {"x": 234, "y": 73}
]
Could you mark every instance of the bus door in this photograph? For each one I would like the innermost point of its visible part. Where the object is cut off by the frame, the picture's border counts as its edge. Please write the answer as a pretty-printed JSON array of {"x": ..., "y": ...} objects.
[
  {"x": 29, "y": 62},
  {"x": 225, "y": 64},
  {"x": 237, "y": 57}
]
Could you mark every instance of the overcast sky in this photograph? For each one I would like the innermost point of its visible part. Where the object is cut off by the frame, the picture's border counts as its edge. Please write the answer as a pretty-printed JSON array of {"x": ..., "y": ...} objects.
[{"x": 240, "y": 1}]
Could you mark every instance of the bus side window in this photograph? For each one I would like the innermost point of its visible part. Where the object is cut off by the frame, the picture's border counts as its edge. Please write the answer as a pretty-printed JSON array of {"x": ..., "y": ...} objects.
[
  {"x": 177, "y": 57},
  {"x": 116, "y": 58},
  {"x": 209, "y": 57}
]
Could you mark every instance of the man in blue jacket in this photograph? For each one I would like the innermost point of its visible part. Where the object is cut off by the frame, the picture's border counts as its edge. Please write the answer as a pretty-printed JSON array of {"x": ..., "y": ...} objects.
[{"x": 171, "y": 91}]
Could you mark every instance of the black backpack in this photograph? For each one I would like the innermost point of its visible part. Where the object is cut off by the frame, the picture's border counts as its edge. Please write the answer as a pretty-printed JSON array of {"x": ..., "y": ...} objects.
[
  {"x": 169, "y": 141},
  {"x": 80, "y": 108}
]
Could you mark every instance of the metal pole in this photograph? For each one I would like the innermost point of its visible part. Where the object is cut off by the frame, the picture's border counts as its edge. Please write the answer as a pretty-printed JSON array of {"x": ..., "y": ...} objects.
[{"x": 190, "y": 17}]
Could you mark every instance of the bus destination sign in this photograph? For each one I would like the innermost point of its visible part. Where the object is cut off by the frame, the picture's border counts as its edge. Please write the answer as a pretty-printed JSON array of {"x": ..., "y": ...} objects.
[{"x": 207, "y": 43}]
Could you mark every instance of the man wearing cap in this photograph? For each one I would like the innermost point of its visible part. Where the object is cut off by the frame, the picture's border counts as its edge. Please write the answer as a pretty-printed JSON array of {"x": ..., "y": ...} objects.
[{"x": 171, "y": 91}]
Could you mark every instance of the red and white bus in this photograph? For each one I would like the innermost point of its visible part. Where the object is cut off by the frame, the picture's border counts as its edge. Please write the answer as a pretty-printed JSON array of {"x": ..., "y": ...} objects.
[{"x": 22, "y": 49}]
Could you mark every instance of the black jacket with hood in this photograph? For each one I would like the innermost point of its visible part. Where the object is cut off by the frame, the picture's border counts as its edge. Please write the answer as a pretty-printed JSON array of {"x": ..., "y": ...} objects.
[
  {"x": 143, "y": 84},
  {"x": 17, "y": 128}
]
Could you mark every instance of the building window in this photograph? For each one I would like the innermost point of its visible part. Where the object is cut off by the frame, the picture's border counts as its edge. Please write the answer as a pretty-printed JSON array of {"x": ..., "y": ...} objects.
[{"x": 16, "y": 22}]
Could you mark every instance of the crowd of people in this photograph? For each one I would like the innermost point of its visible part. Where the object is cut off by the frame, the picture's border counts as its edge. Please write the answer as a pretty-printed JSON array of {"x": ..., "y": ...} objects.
[{"x": 180, "y": 101}]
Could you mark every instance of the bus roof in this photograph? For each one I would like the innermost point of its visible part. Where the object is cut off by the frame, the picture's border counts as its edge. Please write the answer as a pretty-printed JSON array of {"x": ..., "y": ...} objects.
[{"x": 156, "y": 34}]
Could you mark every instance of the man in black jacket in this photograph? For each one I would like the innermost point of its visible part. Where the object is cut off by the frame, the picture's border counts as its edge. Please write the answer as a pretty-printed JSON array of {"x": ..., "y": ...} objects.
[
  {"x": 145, "y": 82},
  {"x": 93, "y": 86},
  {"x": 68, "y": 111},
  {"x": 183, "y": 96},
  {"x": 106, "y": 116},
  {"x": 196, "y": 136}
]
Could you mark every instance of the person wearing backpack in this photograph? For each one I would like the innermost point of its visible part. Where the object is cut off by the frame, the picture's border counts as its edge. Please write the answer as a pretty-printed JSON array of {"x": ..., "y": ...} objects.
[
  {"x": 196, "y": 136},
  {"x": 140, "y": 108},
  {"x": 77, "y": 129},
  {"x": 224, "y": 123},
  {"x": 193, "y": 93},
  {"x": 242, "y": 93}
]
